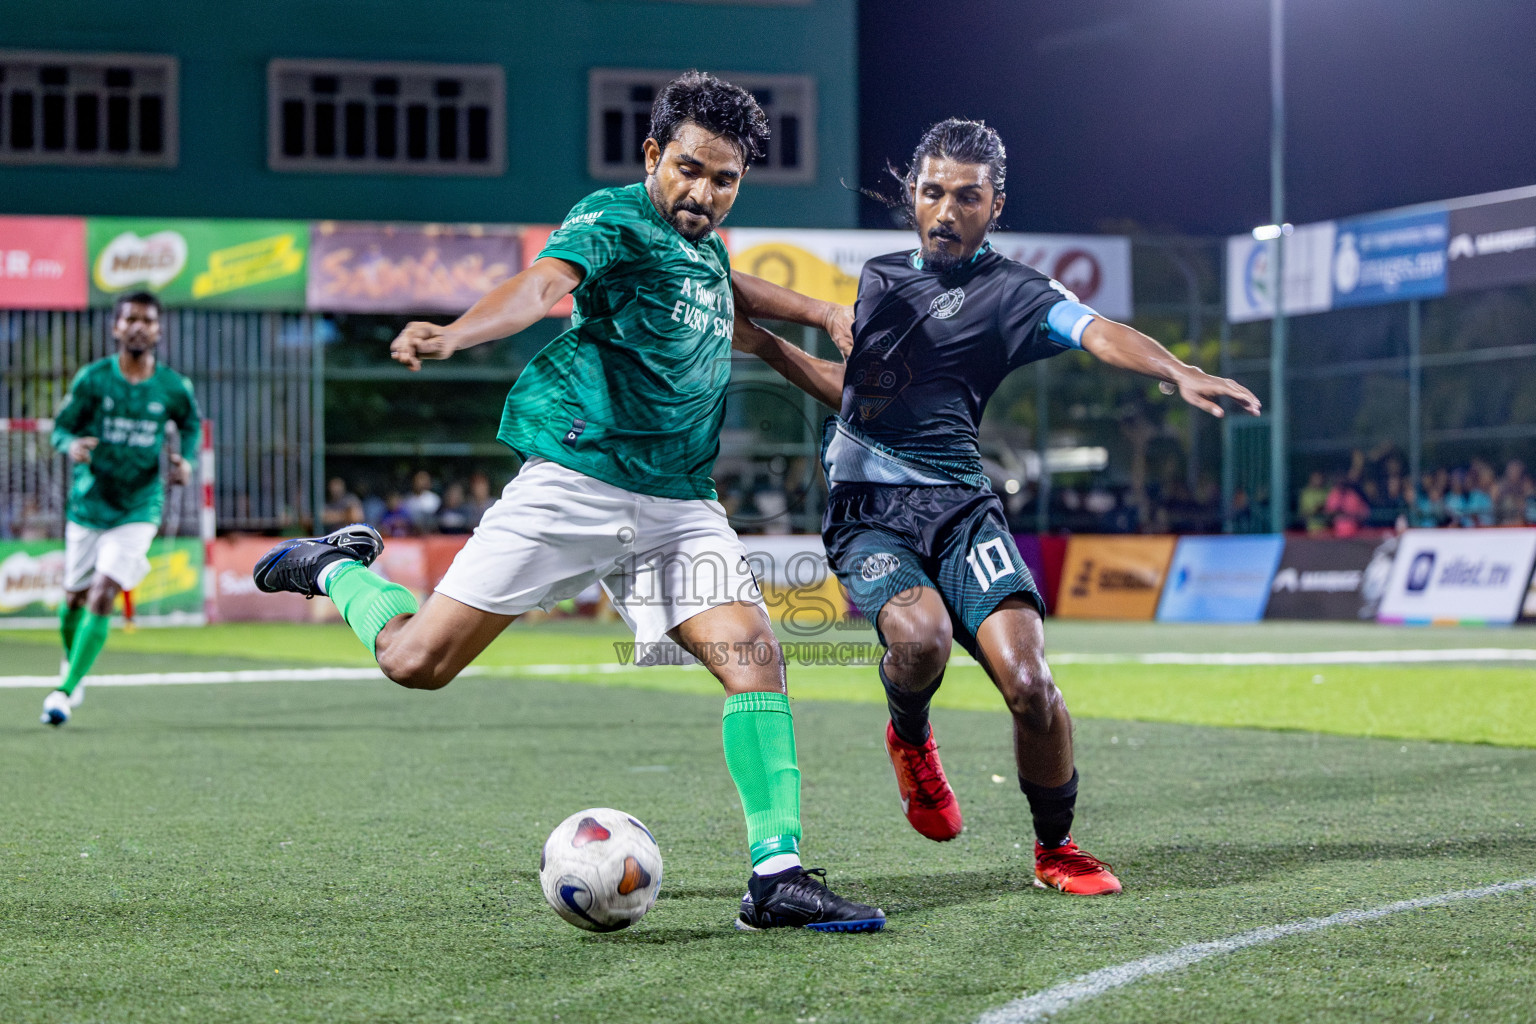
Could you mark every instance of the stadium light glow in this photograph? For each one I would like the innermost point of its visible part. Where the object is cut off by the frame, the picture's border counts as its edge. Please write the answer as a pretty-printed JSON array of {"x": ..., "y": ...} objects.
[{"x": 1270, "y": 232}]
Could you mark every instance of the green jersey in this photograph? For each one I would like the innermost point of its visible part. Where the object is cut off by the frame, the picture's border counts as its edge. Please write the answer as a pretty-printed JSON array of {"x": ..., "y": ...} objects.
[
  {"x": 121, "y": 482},
  {"x": 634, "y": 393}
]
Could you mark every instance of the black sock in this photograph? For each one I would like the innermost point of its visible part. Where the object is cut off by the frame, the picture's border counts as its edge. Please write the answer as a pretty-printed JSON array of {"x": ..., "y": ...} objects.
[
  {"x": 909, "y": 709},
  {"x": 1051, "y": 807},
  {"x": 759, "y": 886}
]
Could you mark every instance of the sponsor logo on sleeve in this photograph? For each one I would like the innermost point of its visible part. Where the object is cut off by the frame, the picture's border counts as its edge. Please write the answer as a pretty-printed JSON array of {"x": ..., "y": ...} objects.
[{"x": 878, "y": 566}]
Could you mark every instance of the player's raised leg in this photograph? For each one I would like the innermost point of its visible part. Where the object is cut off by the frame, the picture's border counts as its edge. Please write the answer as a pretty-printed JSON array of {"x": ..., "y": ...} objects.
[
  {"x": 916, "y": 628},
  {"x": 421, "y": 648},
  {"x": 736, "y": 642},
  {"x": 1011, "y": 647}
]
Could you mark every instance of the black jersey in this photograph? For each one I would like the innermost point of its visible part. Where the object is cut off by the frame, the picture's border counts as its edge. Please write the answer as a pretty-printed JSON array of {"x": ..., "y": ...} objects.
[{"x": 930, "y": 349}]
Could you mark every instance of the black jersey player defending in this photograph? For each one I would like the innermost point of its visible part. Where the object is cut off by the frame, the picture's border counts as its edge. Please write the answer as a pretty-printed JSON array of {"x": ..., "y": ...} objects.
[{"x": 912, "y": 528}]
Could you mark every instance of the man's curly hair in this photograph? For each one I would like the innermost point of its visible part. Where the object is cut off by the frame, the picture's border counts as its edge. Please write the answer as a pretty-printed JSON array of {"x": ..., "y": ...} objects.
[{"x": 720, "y": 108}]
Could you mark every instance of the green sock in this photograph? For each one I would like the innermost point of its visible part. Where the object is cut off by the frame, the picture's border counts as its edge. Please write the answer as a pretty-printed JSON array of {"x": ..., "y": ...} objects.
[
  {"x": 69, "y": 621},
  {"x": 759, "y": 736},
  {"x": 366, "y": 600},
  {"x": 90, "y": 638}
]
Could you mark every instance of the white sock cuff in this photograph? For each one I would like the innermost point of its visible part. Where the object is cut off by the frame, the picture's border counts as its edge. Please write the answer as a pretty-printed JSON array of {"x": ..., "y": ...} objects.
[{"x": 778, "y": 862}]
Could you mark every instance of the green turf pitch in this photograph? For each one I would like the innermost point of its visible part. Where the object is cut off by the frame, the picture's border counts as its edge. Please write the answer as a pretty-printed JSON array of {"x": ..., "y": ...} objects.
[
  {"x": 354, "y": 852},
  {"x": 1469, "y": 703}
]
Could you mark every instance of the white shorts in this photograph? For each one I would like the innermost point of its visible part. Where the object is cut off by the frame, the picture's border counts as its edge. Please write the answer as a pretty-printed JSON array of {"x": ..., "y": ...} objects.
[
  {"x": 554, "y": 532},
  {"x": 121, "y": 554}
]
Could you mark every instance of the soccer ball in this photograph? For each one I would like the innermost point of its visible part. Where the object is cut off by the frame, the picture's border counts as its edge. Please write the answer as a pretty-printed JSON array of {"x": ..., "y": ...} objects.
[{"x": 600, "y": 869}]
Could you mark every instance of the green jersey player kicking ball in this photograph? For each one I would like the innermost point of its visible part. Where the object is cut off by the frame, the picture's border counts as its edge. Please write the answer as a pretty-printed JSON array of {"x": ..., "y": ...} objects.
[
  {"x": 618, "y": 420},
  {"x": 112, "y": 425}
]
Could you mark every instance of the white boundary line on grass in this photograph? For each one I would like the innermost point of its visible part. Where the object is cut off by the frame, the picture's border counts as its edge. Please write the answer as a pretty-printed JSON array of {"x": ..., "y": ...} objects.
[
  {"x": 322, "y": 673},
  {"x": 1089, "y": 986},
  {"x": 318, "y": 674}
]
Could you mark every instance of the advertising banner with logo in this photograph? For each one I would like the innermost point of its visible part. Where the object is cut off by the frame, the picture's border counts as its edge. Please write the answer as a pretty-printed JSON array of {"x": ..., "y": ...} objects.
[
  {"x": 42, "y": 263},
  {"x": 827, "y": 264},
  {"x": 407, "y": 561},
  {"x": 1117, "y": 577},
  {"x": 1459, "y": 576},
  {"x": 1308, "y": 273},
  {"x": 32, "y": 583},
  {"x": 1492, "y": 244},
  {"x": 1387, "y": 257},
  {"x": 215, "y": 264},
  {"x": 415, "y": 268},
  {"x": 1330, "y": 578},
  {"x": 1220, "y": 579}
]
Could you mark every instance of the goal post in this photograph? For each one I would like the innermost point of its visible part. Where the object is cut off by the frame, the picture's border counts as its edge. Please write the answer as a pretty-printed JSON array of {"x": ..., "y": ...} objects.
[{"x": 179, "y": 590}]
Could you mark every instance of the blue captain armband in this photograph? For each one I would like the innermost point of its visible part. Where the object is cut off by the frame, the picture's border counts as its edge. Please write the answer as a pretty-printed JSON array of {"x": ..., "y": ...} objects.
[{"x": 1067, "y": 320}]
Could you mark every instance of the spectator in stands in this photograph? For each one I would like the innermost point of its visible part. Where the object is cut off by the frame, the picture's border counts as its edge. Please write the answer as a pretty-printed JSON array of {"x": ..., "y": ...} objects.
[
  {"x": 1456, "y": 500},
  {"x": 341, "y": 505},
  {"x": 1481, "y": 487},
  {"x": 1390, "y": 511},
  {"x": 1310, "y": 502},
  {"x": 1426, "y": 503},
  {"x": 396, "y": 521},
  {"x": 422, "y": 504},
  {"x": 1345, "y": 508},
  {"x": 1509, "y": 495},
  {"x": 480, "y": 496},
  {"x": 456, "y": 515}
]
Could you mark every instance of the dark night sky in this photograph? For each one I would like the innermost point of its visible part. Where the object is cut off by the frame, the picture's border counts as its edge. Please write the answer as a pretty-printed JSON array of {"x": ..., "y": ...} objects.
[{"x": 1157, "y": 111}]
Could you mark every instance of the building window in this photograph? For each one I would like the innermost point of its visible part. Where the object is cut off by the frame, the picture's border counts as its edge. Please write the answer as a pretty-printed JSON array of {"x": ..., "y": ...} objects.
[
  {"x": 619, "y": 119},
  {"x": 95, "y": 109},
  {"x": 360, "y": 117}
]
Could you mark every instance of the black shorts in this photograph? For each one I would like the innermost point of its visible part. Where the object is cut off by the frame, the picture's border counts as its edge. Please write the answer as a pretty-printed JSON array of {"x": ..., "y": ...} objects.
[{"x": 882, "y": 539}]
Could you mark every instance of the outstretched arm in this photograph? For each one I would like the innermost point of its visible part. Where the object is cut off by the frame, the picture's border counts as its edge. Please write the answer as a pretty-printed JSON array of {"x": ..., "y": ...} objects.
[
  {"x": 510, "y": 307},
  {"x": 765, "y": 300},
  {"x": 1129, "y": 349},
  {"x": 822, "y": 379}
]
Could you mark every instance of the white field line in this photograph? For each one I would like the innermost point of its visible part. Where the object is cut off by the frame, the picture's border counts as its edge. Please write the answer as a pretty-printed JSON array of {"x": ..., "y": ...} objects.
[
  {"x": 302, "y": 675},
  {"x": 1089, "y": 986},
  {"x": 1304, "y": 657},
  {"x": 329, "y": 673}
]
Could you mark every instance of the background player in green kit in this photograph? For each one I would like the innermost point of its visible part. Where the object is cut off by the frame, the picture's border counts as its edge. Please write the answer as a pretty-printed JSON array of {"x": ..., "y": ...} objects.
[
  {"x": 112, "y": 425},
  {"x": 618, "y": 420}
]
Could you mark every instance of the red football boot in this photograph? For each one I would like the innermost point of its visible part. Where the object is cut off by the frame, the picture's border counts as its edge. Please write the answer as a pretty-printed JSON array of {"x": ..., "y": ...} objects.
[
  {"x": 926, "y": 798},
  {"x": 1071, "y": 870}
]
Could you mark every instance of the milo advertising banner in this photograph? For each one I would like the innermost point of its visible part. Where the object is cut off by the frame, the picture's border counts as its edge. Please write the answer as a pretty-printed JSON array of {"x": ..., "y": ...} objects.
[
  {"x": 32, "y": 584},
  {"x": 215, "y": 264}
]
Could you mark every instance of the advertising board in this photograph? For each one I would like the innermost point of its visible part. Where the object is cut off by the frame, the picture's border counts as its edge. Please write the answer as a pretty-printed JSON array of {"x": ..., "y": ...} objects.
[
  {"x": 1386, "y": 257},
  {"x": 827, "y": 264},
  {"x": 1492, "y": 244},
  {"x": 1113, "y": 577},
  {"x": 32, "y": 583},
  {"x": 408, "y": 268},
  {"x": 1330, "y": 578},
  {"x": 215, "y": 264},
  {"x": 1220, "y": 579},
  {"x": 42, "y": 263},
  {"x": 1308, "y": 273},
  {"x": 1459, "y": 576}
]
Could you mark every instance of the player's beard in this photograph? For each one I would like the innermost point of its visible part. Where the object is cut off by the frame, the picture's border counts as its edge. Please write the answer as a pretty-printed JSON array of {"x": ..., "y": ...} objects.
[
  {"x": 939, "y": 260},
  {"x": 670, "y": 213}
]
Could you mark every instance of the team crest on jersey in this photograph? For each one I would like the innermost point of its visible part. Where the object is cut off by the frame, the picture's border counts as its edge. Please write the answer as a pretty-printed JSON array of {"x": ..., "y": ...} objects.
[
  {"x": 878, "y": 566},
  {"x": 947, "y": 305}
]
